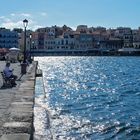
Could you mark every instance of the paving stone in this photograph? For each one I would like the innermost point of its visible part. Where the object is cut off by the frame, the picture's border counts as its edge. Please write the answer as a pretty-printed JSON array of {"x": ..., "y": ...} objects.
[
  {"x": 22, "y": 104},
  {"x": 23, "y": 98},
  {"x": 17, "y": 127},
  {"x": 21, "y": 109},
  {"x": 15, "y": 137},
  {"x": 21, "y": 116}
]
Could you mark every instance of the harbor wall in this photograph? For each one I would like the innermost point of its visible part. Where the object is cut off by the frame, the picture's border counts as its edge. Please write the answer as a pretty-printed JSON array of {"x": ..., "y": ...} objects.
[{"x": 16, "y": 120}]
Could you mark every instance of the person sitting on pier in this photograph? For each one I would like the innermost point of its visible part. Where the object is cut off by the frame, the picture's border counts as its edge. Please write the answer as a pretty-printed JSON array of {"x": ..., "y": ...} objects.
[{"x": 9, "y": 73}]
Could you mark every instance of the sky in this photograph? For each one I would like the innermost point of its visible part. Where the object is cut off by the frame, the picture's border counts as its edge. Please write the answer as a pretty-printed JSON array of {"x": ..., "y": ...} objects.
[{"x": 47, "y": 13}]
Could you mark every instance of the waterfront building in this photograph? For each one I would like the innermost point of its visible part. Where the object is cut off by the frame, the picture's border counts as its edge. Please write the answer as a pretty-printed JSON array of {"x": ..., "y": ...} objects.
[
  {"x": 111, "y": 33},
  {"x": 61, "y": 43},
  {"x": 21, "y": 40},
  {"x": 18, "y": 30},
  {"x": 98, "y": 40},
  {"x": 53, "y": 38},
  {"x": 121, "y": 31},
  {"x": 136, "y": 39},
  {"x": 128, "y": 40},
  {"x": 100, "y": 29},
  {"x": 91, "y": 29},
  {"x": 93, "y": 39},
  {"x": 54, "y": 30},
  {"x": 48, "y": 30},
  {"x": 98, "y": 36},
  {"x": 44, "y": 38},
  {"x": 8, "y": 38},
  {"x": 39, "y": 41},
  {"x": 82, "y": 29},
  {"x": 83, "y": 41},
  {"x": 111, "y": 45},
  {"x": 125, "y": 34}
]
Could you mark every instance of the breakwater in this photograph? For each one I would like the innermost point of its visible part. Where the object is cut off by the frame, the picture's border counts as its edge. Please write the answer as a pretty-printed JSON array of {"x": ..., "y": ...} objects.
[{"x": 16, "y": 107}]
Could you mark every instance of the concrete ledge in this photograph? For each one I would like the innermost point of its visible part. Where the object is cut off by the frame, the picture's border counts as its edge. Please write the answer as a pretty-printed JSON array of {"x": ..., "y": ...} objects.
[{"x": 22, "y": 136}]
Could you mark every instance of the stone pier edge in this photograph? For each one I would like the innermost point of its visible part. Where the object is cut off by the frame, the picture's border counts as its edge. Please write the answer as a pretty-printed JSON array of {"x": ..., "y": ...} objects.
[{"x": 19, "y": 125}]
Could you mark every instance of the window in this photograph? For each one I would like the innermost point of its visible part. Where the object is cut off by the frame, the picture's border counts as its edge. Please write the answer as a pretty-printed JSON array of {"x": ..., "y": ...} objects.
[{"x": 62, "y": 42}]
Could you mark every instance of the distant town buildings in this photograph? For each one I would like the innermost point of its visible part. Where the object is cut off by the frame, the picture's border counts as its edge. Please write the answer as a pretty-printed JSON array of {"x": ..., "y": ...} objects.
[
  {"x": 64, "y": 39},
  {"x": 8, "y": 39}
]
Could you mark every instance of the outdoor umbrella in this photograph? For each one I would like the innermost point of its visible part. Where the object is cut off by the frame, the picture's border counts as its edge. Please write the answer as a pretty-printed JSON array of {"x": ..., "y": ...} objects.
[{"x": 14, "y": 49}]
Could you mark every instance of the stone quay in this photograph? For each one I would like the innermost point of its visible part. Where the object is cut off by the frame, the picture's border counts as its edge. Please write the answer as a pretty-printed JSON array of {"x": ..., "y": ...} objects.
[{"x": 17, "y": 104}]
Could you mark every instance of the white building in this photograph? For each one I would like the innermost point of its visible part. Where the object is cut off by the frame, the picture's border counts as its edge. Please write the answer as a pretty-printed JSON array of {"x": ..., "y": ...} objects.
[
  {"x": 61, "y": 43},
  {"x": 125, "y": 34},
  {"x": 136, "y": 39}
]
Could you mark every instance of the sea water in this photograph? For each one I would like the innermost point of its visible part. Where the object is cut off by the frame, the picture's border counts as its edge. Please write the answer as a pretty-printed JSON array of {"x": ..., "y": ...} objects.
[{"x": 88, "y": 98}]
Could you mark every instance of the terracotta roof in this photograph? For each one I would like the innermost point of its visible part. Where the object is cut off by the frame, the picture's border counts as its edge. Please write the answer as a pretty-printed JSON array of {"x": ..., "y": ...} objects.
[{"x": 4, "y": 50}]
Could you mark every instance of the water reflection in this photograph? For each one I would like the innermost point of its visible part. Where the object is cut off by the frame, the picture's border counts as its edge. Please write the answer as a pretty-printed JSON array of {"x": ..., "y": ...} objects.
[{"x": 90, "y": 98}]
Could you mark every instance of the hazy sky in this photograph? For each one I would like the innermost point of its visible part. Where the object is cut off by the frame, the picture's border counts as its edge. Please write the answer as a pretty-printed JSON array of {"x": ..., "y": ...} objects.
[{"x": 42, "y": 13}]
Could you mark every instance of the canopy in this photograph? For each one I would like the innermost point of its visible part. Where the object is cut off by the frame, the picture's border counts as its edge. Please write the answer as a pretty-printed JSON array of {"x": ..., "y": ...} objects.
[
  {"x": 14, "y": 49},
  {"x": 127, "y": 50}
]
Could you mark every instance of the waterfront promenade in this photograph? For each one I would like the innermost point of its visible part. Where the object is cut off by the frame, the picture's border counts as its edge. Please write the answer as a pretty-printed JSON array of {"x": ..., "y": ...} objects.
[{"x": 16, "y": 105}]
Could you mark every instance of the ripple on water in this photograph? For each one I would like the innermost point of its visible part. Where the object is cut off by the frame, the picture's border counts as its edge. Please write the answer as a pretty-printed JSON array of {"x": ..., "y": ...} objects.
[{"x": 90, "y": 98}]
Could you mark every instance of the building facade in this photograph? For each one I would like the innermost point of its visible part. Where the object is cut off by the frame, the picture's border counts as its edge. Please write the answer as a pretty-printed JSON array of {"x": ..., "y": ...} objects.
[
  {"x": 8, "y": 38},
  {"x": 64, "y": 39}
]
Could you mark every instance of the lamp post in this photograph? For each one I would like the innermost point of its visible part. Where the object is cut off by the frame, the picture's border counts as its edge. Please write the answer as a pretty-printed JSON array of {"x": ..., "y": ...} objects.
[
  {"x": 99, "y": 47},
  {"x": 33, "y": 48},
  {"x": 25, "y": 23},
  {"x": 24, "y": 65},
  {"x": 30, "y": 46}
]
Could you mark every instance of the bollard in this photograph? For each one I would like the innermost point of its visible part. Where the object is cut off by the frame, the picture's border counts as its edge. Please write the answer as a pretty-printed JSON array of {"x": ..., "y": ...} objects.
[{"x": 23, "y": 68}]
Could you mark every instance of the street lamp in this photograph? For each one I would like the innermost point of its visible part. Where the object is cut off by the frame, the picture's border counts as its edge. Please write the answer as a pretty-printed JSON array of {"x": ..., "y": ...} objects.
[
  {"x": 24, "y": 64},
  {"x": 25, "y": 23},
  {"x": 33, "y": 43},
  {"x": 30, "y": 36}
]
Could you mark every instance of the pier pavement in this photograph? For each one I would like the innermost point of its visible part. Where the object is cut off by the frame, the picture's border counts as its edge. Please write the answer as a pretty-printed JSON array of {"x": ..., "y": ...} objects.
[{"x": 16, "y": 105}]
